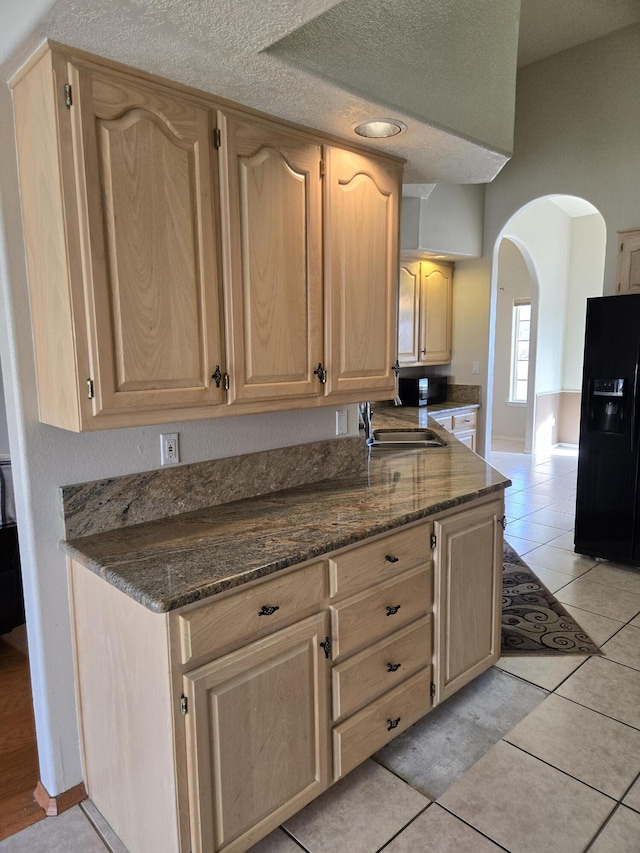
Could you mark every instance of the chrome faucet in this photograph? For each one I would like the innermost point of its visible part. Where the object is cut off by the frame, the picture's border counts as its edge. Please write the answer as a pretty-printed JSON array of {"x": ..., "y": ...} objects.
[{"x": 364, "y": 410}]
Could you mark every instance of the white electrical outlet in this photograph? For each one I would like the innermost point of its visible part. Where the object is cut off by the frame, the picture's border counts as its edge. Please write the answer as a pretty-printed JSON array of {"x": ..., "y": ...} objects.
[
  {"x": 342, "y": 424},
  {"x": 475, "y": 367},
  {"x": 169, "y": 449}
]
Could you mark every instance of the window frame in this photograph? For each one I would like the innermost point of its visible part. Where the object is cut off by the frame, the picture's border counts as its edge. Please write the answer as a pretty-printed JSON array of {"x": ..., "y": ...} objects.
[{"x": 516, "y": 322}]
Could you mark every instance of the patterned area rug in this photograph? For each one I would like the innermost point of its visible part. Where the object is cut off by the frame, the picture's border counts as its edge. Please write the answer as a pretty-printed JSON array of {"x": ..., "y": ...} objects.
[{"x": 533, "y": 620}]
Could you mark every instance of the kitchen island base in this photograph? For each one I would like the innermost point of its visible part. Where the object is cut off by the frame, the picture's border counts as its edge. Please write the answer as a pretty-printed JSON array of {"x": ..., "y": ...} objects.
[{"x": 197, "y": 739}]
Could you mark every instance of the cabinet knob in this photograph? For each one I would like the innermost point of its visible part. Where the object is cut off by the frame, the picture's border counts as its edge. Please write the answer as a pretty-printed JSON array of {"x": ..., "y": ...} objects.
[
  {"x": 391, "y": 559},
  {"x": 393, "y": 667},
  {"x": 268, "y": 611},
  {"x": 392, "y": 610},
  {"x": 393, "y": 723}
]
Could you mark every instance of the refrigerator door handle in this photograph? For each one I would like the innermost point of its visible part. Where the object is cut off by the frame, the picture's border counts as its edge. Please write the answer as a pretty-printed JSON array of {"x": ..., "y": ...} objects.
[{"x": 634, "y": 402}]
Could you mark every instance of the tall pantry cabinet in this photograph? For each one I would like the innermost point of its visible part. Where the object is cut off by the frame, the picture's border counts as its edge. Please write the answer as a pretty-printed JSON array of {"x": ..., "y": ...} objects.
[{"x": 188, "y": 258}]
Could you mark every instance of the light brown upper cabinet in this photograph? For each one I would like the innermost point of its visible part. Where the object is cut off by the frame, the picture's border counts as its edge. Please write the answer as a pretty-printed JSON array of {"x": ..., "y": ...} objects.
[
  {"x": 361, "y": 251},
  {"x": 190, "y": 259},
  {"x": 121, "y": 246},
  {"x": 424, "y": 315},
  {"x": 272, "y": 234},
  {"x": 628, "y": 267}
]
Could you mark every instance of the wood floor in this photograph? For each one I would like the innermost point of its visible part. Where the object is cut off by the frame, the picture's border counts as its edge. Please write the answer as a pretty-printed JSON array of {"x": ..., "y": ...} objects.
[{"x": 18, "y": 753}]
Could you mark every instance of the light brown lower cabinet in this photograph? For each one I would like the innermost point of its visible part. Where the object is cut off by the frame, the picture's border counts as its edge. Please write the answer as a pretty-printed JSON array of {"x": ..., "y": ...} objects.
[
  {"x": 257, "y": 726},
  {"x": 463, "y": 425},
  {"x": 205, "y": 728}
]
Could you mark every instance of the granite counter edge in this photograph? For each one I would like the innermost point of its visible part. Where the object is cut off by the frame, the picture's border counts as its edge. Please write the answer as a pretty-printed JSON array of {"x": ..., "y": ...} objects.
[{"x": 339, "y": 539}]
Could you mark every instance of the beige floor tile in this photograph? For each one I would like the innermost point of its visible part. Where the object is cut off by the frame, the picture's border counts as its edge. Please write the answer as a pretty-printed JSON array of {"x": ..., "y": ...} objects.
[
  {"x": 525, "y": 498},
  {"x": 358, "y": 814},
  {"x": 560, "y": 560},
  {"x": 598, "y": 598},
  {"x": 563, "y": 506},
  {"x": 564, "y": 541},
  {"x": 617, "y": 576},
  {"x": 437, "y": 831},
  {"x": 525, "y": 805},
  {"x": 599, "y": 628},
  {"x": 594, "y": 749},
  {"x": 520, "y": 546},
  {"x": 635, "y": 622},
  {"x": 69, "y": 832},
  {"x": 620, "y": 835},
  {"x": 515, "y": 511},
  {"x": 561, "y": 520},
  {"x": 625, "y": 648},
  {"x": 547, "y": 671},
  {"x": 525, "y": 529},
  {"x": 277, "y": 842},
  {"x": 553, "y": 491},
  {"x": 552, "y": 580},
  {"x": 633, "y": 797},
  {"x": 607, "y": 687}
]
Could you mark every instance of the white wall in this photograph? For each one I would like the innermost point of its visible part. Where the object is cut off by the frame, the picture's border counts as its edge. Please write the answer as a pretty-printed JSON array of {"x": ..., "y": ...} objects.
[
  {"x": 576, "y": 132},
  {"x": 514, "y": 282},
  {"x": 546, "y": 232},
  {"x": 586, "y": 271},
  {"x": 44, "y": 458}
]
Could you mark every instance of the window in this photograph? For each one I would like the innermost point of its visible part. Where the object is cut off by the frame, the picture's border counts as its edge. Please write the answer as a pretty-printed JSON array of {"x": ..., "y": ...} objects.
[{"x": 520, "y": 350}]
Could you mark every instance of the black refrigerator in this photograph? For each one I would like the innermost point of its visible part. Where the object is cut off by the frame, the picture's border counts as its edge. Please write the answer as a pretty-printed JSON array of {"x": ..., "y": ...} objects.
[{"x": 608, "y": 495}]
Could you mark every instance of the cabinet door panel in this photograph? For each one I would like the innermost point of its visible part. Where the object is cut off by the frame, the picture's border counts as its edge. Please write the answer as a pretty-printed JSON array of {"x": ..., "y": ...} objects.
[
  {"x": 435, "y": 337},
  {"x": 468, "y": 594},
  {"x": 273, "y": 262},
  {"x": 409, "y": 314},
  {"x": 149, "y": 244},
  {"x": 257, "y": 731},
  {"x": 361, "y": 269}
]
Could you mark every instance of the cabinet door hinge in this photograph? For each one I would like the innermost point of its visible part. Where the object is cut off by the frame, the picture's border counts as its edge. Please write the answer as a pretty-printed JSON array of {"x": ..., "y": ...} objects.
[
  {"x": 217, "y": 137},
  {"x": 323, "y": 168},
  {"x": 183, "y": 705},
  {"x": 67, "y": 96},
  {"x": 90, "y": 389},
  {"x": 226, "y": 381},
  {"x": 433, "y": 690},
  {"x": 433, "y": 541}
]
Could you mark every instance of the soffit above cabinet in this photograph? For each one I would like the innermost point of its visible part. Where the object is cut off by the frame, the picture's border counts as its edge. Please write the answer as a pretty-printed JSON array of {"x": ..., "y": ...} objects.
[
  {"x": 456, "y": 98},
  {"x": 446, "y": 225}
]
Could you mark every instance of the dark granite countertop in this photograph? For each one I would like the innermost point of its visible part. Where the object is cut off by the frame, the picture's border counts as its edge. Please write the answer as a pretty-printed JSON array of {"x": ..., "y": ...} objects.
[{"x": 174, "y": 561}]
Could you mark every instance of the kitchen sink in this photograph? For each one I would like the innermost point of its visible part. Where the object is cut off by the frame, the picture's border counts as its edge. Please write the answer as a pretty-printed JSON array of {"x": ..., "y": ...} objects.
[{"x": 395, "y": 438}]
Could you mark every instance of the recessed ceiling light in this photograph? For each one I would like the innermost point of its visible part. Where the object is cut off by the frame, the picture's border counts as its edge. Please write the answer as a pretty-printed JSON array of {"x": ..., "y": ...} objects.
[{"x": 379, "y": 128}]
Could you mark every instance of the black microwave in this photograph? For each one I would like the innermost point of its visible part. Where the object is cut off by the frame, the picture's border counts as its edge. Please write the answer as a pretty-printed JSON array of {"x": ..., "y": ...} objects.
[{"x": 420, "y": 390}]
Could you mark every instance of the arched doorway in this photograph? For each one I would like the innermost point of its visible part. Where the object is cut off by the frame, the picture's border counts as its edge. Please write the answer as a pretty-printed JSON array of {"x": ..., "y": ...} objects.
[{"x": 550, "y": 254}]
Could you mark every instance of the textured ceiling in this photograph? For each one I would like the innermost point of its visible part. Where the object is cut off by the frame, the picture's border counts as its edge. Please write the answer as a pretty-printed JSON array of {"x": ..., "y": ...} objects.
[
  {"x": 220, "y": 47},
  {"x": 444, "y": 67}
]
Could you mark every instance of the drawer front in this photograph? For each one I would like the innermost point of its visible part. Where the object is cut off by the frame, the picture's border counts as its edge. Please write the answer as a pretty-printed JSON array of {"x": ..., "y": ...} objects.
[
  {"x": 369, "y": 616},
  {"x": 446, "y": 422},
  {"x": 375, "y": 561},
  {"x": 368, "y": 730},
  {"x": 365, "y": 676},
  {"x": 253, "y": 611},
  {"x": 466, "y": 421}
]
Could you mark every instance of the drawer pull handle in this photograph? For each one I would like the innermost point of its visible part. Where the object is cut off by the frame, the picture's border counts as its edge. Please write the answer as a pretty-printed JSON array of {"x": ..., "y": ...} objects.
[
  {"x": 393, "y": 723},
  {"x": 392, "y": 610},
  {"x": 393, "y": 667},
  {"x": 390, "y": 559},
  {"x": 268, "y": 611}
]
